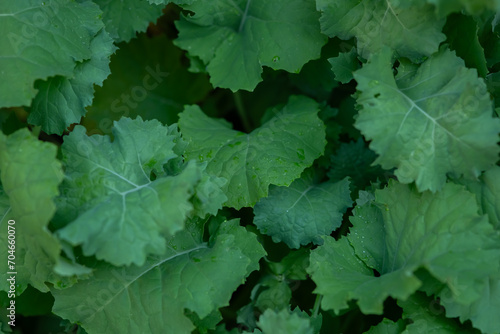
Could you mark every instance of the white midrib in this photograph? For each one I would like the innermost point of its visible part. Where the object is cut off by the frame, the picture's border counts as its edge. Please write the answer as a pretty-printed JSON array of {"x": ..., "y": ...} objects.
[
  {"x": 413, "y": 105},
  {"x": 125, "y": 286}
]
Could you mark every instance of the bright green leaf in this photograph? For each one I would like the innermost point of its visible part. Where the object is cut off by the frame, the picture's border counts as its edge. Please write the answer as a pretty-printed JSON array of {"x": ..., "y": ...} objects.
[
  {"x": 251, "y": 162},
  {"x": 236, "y": 38},
  {"x": 430, "y": 120}
]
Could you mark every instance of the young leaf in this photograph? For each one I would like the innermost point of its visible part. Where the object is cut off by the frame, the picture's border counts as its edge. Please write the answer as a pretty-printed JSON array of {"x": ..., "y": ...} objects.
[
  {"x": 119, "y": 212},
  {"x": 191, "y": 275},
  {"x": 430, "y": 120},
  {"x": 30, "y": 175},
  {"x": 285, "y": 322},
  {"x": 355, "y": 160},
  {"x": 42, "y": 39},
  {"x": 241, "y": 36},
  {"x": 276, "y": 153},
  {"x": 344, "y": 65},
  {"x": 412, "y": 32},
  {"x": 441, "y": 233},
  {"x": 303, "y": 212}
]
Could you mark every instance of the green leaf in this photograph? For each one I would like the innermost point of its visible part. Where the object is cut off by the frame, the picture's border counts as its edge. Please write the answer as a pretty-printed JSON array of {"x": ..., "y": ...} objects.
[
  {"x": 61, "y": 101},
  {"x": 109, "y": 184},
  {"x": 284, "y": 322},
  {"x": 462, "y": 36},
  {"x": 124, "y": 18},
  {"x": 441, "y": 233},
  {"x": 445, "y": 7},
  {"x": 355, "y": 160},
  {"x": 191, "y": 275},
  {"x": 303, "y": 212},
  {"x": 425, "y": 316},
  {"x": 483, "y": 313},
  {"x": 251, "y": 162},
  {"x": 292, "y": 266},
  {"x": 430, "y": 120},
  {"x": 149, "y": 80},
  {"x": 42, "y": 39},
  {"x": 487, "y": 191},
  {"x": 387, "y": 327},
  {"x": 239, "y": 37},
  {"x": 30, "y": 175},
  {"x": 276, "y": 296},
  {"x": 411, "y": 32},
  {"x": 344, "y": 65}
]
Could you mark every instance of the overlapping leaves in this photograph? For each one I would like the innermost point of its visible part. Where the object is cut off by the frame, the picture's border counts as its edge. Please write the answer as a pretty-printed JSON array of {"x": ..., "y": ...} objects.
[
  {"x": 190, "y": 275},
  {"x": 118, "y": 196},
  {"x": 408, "y": 231},
  {"x": 276, "y": 153}
]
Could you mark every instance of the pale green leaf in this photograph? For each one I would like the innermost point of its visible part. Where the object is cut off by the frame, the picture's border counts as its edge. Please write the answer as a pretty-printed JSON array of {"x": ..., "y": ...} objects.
[
  {"x": 30, "y": 175},
  {"x": 430, "y": 120},
  {"x": 411, "y": 32},
  {"x": 276, "y": 153},
  {"x": 303, "y": 212},
  {"x": 236, "y": 38},
  {"x": 191, "y": 275},
  {"x": 42, "y": 39}
]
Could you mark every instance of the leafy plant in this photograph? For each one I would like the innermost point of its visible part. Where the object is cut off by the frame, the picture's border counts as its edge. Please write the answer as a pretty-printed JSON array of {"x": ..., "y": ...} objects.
[{"x": 238, "y": 166}]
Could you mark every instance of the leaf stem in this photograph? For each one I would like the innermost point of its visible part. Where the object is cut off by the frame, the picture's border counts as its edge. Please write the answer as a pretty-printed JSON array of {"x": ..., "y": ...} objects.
[
  {"x": 241, "y": 112},
  {"x": 316, "y": 306}
]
